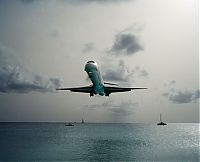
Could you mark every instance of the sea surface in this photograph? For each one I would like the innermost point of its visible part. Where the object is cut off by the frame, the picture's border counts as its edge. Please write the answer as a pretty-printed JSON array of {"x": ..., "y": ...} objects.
[{"x": 98, "y": 142}]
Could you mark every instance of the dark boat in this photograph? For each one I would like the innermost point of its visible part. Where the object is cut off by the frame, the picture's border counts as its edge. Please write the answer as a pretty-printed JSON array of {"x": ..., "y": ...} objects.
[
  {"x": 161, "y": 122},
  {"x": 69, "y": 124}
]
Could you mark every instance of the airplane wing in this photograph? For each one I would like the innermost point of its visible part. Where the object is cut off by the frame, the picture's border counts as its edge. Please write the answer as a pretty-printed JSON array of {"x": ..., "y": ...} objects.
[
  {"x": 87, "y": 89},
  {"x": 109, "y": 90}
]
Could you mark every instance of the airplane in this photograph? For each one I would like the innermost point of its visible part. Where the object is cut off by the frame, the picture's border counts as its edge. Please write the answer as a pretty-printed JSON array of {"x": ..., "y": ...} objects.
[{"x": 98, "y": 85}]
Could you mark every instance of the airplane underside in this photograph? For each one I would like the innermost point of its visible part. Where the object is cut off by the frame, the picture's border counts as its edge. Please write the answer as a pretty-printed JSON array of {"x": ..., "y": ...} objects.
[{"x": 98, "y": 86}]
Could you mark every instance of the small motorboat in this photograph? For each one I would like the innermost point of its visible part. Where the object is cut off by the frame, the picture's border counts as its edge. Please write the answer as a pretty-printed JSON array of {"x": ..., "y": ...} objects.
[{"x": 69, "y": 124}]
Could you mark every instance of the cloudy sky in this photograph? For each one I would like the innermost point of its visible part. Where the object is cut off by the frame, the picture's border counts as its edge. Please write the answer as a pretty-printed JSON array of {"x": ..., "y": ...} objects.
[{"x": 44, "y": 44}]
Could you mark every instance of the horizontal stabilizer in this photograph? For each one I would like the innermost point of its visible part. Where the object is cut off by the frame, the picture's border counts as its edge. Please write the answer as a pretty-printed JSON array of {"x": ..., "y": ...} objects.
[{"x": 110, "y": 83}]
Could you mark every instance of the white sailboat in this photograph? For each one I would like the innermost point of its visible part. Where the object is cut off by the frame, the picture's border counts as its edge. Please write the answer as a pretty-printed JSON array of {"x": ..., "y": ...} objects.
[
  {"x": 161, "y": 122},
  {"x": 82, "y": 121}
]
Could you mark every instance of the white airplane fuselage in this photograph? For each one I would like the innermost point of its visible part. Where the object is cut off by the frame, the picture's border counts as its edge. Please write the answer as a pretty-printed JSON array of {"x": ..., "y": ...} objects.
[{"x": 94, "y": 74}]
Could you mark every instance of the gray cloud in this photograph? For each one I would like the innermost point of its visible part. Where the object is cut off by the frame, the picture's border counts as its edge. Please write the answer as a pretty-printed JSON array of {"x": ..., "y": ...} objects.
[
  {"x": 180, "y": 97},
  {"x": 95, "y": 1},
  {"x": 88, "y": 47},
  {"x": 15, "y": 78},
  {"x": 165, "y": 94},
  {"x": 172, "y": 82},
  {"x": 54, "y": 33},
  {"x": 144, "y": 73},
  {"x": 140, "y": 72},
  {"x": 123, "y": 109},
  {"x": 7, "y": 57},
  {"x": 122, "y": 73},
  {"x": 119, "y": 73},
  {"x": 80, "y": 2},
  {"x": 26, "y": 2},
  {"x": 105, "y": 104},
  {"x": 125, "y": 44},
  {"x": 119, "y": 109}
]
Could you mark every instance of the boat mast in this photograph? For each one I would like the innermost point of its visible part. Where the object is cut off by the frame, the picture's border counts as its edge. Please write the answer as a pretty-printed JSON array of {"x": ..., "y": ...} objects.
[{"x": 160, "y": 117}]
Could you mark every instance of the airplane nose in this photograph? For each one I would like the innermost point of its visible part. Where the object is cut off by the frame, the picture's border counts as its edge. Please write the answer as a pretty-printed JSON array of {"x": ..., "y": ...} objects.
[{"x": 90, "y": 66}]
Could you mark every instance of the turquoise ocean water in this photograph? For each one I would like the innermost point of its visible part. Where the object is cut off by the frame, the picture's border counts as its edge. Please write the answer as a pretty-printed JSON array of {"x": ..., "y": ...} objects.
[{"x": 98, "y": 142}]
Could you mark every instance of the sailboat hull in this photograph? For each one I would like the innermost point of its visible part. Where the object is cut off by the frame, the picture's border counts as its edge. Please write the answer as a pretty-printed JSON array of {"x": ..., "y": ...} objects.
[{"x": 161, "y": 123}]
